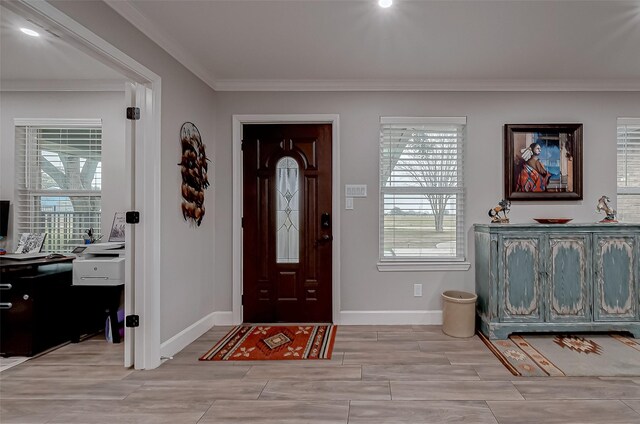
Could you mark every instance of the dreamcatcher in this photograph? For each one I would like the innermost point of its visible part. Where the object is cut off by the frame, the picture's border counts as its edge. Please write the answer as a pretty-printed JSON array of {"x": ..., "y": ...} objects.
[{"x": 193, "y": 167}]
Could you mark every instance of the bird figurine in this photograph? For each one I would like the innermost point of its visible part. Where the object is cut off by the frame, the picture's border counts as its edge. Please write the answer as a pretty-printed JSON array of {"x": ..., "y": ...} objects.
[{"x": 504, "y": 206}]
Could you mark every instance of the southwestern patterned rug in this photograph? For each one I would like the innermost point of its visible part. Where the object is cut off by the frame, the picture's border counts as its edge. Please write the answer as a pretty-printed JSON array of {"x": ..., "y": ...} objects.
[
  {"x": 601, "y": 355},
  {"x": 274, "y": 342}
]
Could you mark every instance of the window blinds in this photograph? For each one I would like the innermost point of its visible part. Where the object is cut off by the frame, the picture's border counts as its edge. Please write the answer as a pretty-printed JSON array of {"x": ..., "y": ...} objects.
[
  {"x": 629, "y": 169},
  {"x": 59, "y": 181},
  {"x": 422, "y": 189}
]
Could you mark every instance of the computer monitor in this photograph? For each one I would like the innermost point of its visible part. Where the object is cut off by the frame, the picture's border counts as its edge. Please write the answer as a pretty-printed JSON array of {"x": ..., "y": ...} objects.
[{"x": 4, "y": 218}]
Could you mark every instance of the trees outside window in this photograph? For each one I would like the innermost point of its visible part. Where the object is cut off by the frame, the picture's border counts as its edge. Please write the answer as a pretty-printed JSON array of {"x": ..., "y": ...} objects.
[
  {"x": 59, "y": 182},
  {"x": 421, "y": 188}
]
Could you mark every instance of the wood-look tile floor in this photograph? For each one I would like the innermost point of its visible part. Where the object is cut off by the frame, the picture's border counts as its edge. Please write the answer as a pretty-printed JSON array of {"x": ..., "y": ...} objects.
[{"x": 378, "y": 374}]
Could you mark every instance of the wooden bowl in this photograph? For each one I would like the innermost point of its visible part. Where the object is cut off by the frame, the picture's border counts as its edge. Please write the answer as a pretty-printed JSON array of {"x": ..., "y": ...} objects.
[{"x": 552, "y": 220}]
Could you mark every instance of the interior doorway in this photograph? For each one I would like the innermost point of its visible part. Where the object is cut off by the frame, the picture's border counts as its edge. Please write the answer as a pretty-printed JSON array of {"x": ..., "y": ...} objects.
[
  {"x": 142, "y": 344},
  {"x": 287, "y": 232}
]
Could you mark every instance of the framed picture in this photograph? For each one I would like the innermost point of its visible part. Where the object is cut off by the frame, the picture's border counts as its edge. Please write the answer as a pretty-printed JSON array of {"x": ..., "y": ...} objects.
[
  {"x": 118, "y": 226},
  {"x": 543, "y": 161},
  {"x": 30, "y": 242}
]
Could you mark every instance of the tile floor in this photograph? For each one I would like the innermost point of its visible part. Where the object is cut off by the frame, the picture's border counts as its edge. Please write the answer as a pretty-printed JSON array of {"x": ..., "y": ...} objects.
[{"x": 378, "y": 374}]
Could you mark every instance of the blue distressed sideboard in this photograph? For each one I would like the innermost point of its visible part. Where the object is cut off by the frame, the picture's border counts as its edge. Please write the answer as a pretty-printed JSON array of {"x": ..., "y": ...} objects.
[{"x": 565, "y": 278}]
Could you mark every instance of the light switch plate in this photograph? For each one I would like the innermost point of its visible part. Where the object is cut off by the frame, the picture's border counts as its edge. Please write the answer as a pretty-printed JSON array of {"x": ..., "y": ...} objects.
[
  {"x": 348, "y": 203},
  {"x": 417, "y": 290}
]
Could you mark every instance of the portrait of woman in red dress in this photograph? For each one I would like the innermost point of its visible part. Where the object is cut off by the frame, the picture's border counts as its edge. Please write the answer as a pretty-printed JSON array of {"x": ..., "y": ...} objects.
[
  {"x": 543, "y": 161},
  {"x": 533, "y": 175}
]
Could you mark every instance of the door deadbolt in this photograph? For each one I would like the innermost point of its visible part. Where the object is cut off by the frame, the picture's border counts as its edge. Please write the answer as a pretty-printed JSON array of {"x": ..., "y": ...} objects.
[{"x": 325, "y": 220}]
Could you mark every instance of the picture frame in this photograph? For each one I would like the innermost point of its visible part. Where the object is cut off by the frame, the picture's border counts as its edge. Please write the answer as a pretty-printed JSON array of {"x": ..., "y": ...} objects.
[
  {"x": 117, "y": 232},
  {"x": 543, "y": 161},
  {"x": 30, "y": 242}
]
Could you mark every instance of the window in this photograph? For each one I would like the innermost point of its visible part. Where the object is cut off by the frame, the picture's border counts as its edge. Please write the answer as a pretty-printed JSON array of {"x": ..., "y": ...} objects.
[
  {"x": 629, "y": 169},
  {"x": 421, "y": 191},
  {"x": 58, "y": 180},
  {"x": 288, "y": 211}
]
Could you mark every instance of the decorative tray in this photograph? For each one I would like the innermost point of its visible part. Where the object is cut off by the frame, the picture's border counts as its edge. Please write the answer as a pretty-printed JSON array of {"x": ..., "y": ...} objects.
[{"x": 553, "y": 220}]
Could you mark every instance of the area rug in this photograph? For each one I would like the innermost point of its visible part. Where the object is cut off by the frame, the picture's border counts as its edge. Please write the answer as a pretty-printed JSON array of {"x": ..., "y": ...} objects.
[
  {"x": 263, "y": 342},
  {"x": 578, "y": 355}
]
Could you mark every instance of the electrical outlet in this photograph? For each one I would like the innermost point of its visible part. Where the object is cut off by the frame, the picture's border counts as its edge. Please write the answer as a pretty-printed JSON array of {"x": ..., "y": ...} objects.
[{"x": 417, "y": 290}]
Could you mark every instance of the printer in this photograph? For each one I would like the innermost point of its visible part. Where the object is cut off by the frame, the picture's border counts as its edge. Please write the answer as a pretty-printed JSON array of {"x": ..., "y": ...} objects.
[{"x": 99, "y": 264}]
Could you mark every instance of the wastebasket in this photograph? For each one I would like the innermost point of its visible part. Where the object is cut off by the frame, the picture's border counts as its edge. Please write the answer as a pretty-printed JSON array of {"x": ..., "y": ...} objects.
[{"x": 459, "y": 313}]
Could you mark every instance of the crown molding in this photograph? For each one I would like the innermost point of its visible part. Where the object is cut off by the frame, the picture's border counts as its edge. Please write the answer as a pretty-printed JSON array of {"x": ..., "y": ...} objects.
[
  {"x": 427, "y": 85},
  {"x": 62, "y": 85},
  {"x": 127, "y": 10}
]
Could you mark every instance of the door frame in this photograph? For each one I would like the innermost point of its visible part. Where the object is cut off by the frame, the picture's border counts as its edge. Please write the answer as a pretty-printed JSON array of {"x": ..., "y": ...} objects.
[
  {"x": 144, "y": 138},
  {"x": 238, "y": 122}
]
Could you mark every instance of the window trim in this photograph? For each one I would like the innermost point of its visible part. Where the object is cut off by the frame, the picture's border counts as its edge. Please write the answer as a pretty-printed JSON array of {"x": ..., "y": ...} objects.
[
  {"x": 625, "y": 190},
  {"x": 30, "y": 193},
  {"x": 429, "y": 263},
  {"x": 400, "y": 266}
]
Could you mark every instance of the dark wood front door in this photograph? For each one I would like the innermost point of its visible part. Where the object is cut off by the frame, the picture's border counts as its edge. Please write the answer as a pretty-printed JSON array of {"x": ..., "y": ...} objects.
[{"x": 287, "y": 233}]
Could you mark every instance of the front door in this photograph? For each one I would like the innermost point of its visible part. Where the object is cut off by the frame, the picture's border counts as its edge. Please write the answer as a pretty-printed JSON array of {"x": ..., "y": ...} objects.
[{"x": 287, "y": 223}]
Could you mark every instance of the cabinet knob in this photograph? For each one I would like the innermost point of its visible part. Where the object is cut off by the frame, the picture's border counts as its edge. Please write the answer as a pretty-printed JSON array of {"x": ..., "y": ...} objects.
[{"x": 25, "y": 297}]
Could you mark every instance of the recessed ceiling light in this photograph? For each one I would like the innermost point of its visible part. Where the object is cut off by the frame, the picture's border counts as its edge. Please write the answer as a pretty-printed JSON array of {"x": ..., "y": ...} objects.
[
  {"x": 30, "y": 32},
  {"x": 385, "y": 3}
]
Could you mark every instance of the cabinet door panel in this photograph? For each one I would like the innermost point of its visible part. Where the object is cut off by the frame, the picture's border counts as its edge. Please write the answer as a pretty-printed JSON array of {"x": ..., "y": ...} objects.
[
  {"x": 521, "y": 277},
  {"x": 616, "y": 288},
  {"x": 569, "y": 279}
]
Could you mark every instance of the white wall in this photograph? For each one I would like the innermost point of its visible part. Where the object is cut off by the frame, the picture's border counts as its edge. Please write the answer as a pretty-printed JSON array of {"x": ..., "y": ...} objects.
[
  {"x": 195, "y": 260},
  {"x": 363, "y": 288},
  {"x": 187, "y": 265},
  {"x": 107, "y": 106}
]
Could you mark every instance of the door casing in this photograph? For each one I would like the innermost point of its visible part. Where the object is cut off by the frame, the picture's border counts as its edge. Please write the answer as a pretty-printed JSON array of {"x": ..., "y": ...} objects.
[
  {"x": 145, "y": 139},
  {"x": 238, "y": 122}
]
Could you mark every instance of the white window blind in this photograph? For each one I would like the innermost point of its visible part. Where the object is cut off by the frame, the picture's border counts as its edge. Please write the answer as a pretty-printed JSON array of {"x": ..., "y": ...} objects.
[
  {"x": 628, "y": 203},
  {"x": 422, "y": 189},
  {"x": 58, "y": 180}
]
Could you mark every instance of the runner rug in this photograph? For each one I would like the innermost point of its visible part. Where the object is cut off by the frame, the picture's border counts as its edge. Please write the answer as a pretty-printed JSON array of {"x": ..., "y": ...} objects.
[
  {"x": 261, "y": 342},
  {"x": 601, "y": 355}
]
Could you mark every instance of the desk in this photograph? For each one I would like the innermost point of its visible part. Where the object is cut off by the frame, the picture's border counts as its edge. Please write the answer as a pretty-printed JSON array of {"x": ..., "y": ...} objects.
[
  {"x": 35, "y": 305},
  {"x": 20, "y": 265},
  {"x": 40, "y": 309}
]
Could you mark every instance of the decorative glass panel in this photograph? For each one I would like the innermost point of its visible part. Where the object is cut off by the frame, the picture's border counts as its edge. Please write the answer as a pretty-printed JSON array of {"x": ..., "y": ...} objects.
[{"x": 288, "y": 211}]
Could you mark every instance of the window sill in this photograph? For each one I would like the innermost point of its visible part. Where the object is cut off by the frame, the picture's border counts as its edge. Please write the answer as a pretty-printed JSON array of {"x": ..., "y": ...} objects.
[{"x": 423, "y": 266}]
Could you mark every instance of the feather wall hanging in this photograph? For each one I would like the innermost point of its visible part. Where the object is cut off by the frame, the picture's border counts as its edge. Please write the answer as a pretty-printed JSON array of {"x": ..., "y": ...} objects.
[{"x": 193, "y": 167}]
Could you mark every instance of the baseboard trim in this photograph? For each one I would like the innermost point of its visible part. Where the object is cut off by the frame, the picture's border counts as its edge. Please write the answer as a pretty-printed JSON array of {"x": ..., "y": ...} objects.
[
  {"x": 187, "y": 336},
  {"x": 223, "y": 318},
  {"x": 390, "y": 317}
]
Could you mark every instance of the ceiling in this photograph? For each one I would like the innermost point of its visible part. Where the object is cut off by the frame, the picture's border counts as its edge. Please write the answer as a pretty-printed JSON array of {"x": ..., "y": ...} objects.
[
  {"x": 355, "y": 44},
  {"x": 46, "y": 62}
]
